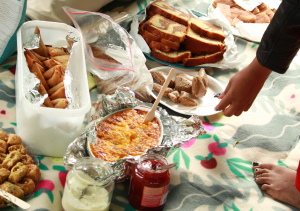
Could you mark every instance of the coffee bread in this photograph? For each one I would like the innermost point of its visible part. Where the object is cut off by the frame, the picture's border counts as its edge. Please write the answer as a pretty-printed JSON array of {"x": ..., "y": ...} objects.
[
  {"x": 199, "y": 44},
  {"x": 173, "y": 41},
  {"x": 207, "y": 29},
  {"x": 171, "y": 57},
  {"x": 203, "y": 59},
  {"x": 166, "y": 10},
  {"x": 165, "y": 28}
]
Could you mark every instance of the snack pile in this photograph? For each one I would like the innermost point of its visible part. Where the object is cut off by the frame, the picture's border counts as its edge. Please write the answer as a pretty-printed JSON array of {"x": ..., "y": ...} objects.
[
  {"x": 175, "y": 37},
  {"x": 18, "y": 172},
  {"x": 49, "y": 64},
  {"x": 185, "y": 89},
  {"x": 234, "y": 13},
  {"x": 124, "y": 133}
]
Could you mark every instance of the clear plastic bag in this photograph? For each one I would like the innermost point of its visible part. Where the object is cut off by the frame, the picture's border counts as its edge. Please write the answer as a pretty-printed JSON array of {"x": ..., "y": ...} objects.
[{"x": 112, "y": 55}]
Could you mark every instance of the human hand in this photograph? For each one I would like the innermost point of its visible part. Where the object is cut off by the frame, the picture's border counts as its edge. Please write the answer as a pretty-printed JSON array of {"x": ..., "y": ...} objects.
[{"x": 242, "y": 89}]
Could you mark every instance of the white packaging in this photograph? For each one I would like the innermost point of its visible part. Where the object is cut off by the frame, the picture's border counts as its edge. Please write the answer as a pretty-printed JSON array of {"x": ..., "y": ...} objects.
[{"x": 49, "y": 131}]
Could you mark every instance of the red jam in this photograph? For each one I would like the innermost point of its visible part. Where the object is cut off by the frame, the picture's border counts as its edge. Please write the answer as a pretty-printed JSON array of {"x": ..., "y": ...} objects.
[{"x": 148, "y": 186}]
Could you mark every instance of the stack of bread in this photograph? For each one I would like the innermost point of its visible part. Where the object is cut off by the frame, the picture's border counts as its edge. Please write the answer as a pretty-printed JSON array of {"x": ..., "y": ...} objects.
[
  {"x": 185, "y": 88},
  {"x": 175, "y": 37},
  {"x": 49, "y": 64},
  {"x": 234, "y": 13}
]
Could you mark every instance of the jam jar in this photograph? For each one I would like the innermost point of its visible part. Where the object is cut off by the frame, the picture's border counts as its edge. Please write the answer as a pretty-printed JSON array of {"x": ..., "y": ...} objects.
[{"x": 149, "y": 186}]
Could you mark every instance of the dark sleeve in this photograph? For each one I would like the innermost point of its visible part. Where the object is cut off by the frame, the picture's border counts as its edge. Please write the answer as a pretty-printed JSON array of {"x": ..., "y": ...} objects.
[{"x": 281, "y": 41}]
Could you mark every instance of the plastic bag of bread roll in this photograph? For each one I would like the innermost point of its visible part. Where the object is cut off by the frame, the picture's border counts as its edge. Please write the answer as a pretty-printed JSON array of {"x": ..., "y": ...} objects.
[{"x": 113, "y": 56}]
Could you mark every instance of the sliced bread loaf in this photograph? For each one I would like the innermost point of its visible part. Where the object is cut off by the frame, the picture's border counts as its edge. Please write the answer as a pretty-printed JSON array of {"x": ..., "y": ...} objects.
[
  {"x": 207, "y": 29},
  {"x": 198, "y": 44},
  {"x": 203, "y": 59},
  {"x": 165, "y": 28},
  {"x": 168, "y": 11},
  {"x": 171, "y": 57},
  {"x": 154, "y": 45}
]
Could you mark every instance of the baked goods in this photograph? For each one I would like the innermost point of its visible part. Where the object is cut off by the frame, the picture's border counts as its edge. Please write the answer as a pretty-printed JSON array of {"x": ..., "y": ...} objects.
[
  {"x": 199, "y": 84},
  {"x": 174, "y": 37},
  {"x": 49, "y": 64},
  {"x": 165, "y": 28},
  {"x": 183, "y": 82},
  {"x": 161, "y": 77},
  {"x": 166, "y": 10},
  {"x": 203, "y": 59},
  {"x": 187, "y": 99},
  {"x": 171, "y": 57},
  {"x": 124, "y": 133},
  {"x": 199, "y": 44},
  {"x": 207, "y": 29},
  {"x": 187, "y": 89},
  {"x": 234, "y": 13},
  {"x": 18, "y": 172}
]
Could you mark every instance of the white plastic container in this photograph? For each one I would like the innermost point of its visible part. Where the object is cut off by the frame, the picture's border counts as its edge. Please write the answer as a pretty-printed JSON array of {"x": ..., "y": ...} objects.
[{"x": 49, "y": 131}]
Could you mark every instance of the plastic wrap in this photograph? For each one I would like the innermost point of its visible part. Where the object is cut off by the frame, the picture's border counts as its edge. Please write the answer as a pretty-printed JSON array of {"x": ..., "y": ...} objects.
[{"x": 112, "y": 55}]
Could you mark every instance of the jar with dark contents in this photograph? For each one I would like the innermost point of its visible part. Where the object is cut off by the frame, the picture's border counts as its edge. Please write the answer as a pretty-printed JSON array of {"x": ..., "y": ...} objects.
[{"x": 149, "y": 186}]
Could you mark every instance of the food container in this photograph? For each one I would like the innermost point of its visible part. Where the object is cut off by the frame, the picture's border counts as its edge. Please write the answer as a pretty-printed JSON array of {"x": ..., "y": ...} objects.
[
  {"x": 127, "y": 134},
  {"x": 89, "y": 186},
  {"x": 149, "y": 186},
  {"x": 49, "y": 131}
]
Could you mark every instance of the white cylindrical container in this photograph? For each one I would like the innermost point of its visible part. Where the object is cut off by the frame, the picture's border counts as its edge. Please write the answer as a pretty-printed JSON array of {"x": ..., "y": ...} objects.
[{"x": 85, "y": 188}]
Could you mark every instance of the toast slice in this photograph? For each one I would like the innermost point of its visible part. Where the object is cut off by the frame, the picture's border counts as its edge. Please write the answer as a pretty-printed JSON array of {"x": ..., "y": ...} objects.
[
  {"x": 198, "y": 44},
  {"x": 203, "y": 59},
  {"x": 168, "y": 11},
  {"x": 207, "y": 29},
  {"x": 171, "y": 57},
  {"x": 165, "y": 28}
]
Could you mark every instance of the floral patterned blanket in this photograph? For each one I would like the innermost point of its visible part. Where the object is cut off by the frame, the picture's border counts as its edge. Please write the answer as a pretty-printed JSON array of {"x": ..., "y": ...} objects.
[{"x": 214, "y": 170}]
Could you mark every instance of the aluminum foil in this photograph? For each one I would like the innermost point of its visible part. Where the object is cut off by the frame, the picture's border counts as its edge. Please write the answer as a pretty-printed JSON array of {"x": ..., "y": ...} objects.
[
  {"x": 176, "y": 131},
  {"x": 31, "y": 82}
]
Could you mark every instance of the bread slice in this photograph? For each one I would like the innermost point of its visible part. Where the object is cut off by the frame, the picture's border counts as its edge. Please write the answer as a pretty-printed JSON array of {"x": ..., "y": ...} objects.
[
  {"x": 203, "y": 59},
  {"x": 198, "y": 44},
  {"x": 148, "y": 37},
  {"x": 154, "y": 45},
  {"x": 165, "y": 28},
  {"x": 173, "y": 45},
  {"x": 171, "y": 57},
  {"x": 168, "y": 11},
  {"x": 207, "y": 29}
]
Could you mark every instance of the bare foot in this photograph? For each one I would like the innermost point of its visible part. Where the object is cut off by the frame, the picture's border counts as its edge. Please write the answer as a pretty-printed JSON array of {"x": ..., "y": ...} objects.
[{"x": 278, "y": 182}]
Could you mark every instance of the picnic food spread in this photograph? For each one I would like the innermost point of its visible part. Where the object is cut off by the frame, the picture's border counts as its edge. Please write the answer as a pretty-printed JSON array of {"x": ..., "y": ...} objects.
[{"x": 174, "y": 37}]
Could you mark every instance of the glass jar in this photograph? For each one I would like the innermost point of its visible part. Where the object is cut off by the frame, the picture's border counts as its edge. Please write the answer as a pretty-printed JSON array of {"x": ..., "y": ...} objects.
[
  {"x": 148, "y": 186},
  {"x": 89, "y": 186}
]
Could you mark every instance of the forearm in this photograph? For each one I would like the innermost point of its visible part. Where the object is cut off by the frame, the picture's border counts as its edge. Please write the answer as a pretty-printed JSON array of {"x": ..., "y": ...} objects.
[{"x": 281, "y": 40}]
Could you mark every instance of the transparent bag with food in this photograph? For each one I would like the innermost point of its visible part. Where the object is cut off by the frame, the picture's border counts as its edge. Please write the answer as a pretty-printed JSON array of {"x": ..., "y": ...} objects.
[{"x": 112, "y": 55}]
